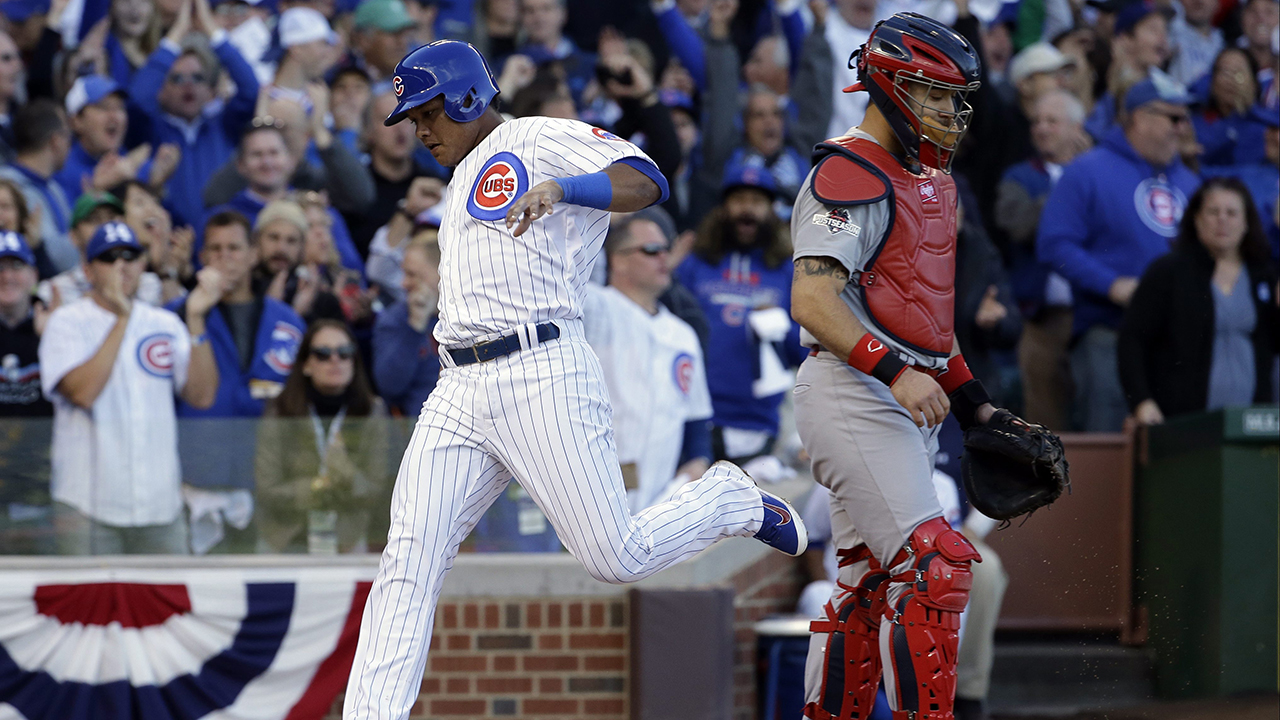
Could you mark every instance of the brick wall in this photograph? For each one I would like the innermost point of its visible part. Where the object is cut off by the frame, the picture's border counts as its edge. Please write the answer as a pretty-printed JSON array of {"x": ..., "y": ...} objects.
[
  {"x": 770, "y": 586},
  {"x": 569, "y": 658},
  {"x": 528, "y": 658}
]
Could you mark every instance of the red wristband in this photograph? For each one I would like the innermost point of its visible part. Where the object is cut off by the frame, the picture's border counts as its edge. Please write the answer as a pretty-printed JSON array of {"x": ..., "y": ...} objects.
[
  {"x": 956, "y": 374},
  {"x": 875, "y": 359}
]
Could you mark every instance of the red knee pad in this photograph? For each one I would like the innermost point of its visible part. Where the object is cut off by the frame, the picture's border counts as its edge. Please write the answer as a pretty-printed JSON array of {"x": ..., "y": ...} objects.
[
  {"x": 926, "y": 620},
  {"x": 852, "y": 672},
  {"x": 939, "y": 573}
]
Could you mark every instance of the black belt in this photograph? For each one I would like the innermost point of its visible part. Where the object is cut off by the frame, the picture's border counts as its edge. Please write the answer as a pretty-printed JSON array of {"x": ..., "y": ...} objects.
[{"x": 504, "y": 345}]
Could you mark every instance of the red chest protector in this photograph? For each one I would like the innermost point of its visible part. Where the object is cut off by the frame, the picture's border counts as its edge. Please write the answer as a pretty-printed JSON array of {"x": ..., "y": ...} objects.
[{"x": 908, "y": 285}]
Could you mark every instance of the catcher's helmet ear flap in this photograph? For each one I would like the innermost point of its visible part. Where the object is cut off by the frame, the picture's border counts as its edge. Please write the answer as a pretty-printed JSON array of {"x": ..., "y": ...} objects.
[
  {"x": 912, "y": 50},
  {"x": 450, "y": 68}
]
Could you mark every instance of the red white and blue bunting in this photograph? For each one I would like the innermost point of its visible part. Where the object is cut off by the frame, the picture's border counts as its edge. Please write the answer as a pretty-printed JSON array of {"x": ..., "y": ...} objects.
[{"x": 185, "y": 644}]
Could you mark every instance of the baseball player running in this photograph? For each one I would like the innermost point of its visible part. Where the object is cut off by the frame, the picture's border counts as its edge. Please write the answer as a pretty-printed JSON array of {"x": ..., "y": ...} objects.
[
  {"x": 521, "y": 394},
  {"x": 874, "y": 229}
]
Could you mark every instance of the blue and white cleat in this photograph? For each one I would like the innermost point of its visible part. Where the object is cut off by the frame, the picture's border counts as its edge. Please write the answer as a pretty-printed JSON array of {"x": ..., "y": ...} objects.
[{"x": 782, "y": 529}]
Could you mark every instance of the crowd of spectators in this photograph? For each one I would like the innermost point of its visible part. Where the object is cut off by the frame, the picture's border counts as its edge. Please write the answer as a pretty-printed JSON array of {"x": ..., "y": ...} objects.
[{"x": 203, "y": 217}]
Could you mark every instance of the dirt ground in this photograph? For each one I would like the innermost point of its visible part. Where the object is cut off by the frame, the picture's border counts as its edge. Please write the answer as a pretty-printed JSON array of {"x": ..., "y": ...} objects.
[{"x": 1251, "y": 708}]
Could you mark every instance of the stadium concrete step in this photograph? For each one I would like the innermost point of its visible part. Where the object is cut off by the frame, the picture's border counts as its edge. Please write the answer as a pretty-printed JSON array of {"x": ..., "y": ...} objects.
[{"x": 1064, "y": 677}]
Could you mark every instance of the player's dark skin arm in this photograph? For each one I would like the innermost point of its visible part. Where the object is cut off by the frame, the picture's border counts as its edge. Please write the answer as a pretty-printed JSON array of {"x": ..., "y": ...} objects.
[
  {"x": 816, "y": 305},
  {"x": 632, "y": 191}
]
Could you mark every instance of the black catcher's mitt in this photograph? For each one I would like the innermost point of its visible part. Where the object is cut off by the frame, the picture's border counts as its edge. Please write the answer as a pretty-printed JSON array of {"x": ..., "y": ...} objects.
[{"x": 1012, "y": 467}]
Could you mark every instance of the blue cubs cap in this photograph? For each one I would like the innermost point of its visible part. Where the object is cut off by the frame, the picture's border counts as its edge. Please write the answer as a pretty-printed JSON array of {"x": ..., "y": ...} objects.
[
  {"x": 12, "y": 245},
  {"x": 19, "y": 10},
  {"x": 673, "y": 98},
  {"x": 451, "y": 68},
  {"x": 90, "y": 90},
  {"x": 111, "y": 235},
  {"x": 1130, "y": 15},
  {"x": 740, "y": 174},
  {"x": 1157, "y": 86}
]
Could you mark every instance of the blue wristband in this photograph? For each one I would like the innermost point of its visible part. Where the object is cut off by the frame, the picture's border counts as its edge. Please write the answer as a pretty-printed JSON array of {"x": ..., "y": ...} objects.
[{"x": 593, "y": 191}]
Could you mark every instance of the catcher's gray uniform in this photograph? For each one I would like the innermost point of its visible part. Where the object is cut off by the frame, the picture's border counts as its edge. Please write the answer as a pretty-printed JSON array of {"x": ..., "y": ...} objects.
[{"x": 864, "y": 445}]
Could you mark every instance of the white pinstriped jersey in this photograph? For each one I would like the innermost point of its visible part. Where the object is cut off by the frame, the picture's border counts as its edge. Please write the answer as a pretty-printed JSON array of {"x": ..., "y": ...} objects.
[{"x": 492, "y": 282}]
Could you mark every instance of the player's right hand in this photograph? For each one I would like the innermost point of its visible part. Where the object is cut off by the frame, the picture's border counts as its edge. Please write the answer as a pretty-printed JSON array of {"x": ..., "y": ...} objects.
[
  {"x": 533, "y": 205},
  {"x": 923, "y": 398}
]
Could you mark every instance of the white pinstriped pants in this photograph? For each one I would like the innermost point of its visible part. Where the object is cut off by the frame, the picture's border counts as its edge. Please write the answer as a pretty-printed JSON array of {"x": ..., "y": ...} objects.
[{"x": 543, "y": 417}]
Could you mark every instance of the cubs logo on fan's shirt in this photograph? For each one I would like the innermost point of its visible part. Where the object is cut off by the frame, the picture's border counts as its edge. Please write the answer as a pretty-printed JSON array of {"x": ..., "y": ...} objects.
[
  {"x": 682, "y": 371},
  {"x": 285, "y": 339},
  {"x": 498, "y": 184},
  {"x": 1160, "y": 205},
  {"x": 155, "y": 354}
]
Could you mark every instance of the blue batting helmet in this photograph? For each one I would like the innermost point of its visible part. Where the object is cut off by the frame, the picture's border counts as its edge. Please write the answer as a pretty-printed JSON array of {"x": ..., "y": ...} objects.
[{"x": 450, "y": 68}]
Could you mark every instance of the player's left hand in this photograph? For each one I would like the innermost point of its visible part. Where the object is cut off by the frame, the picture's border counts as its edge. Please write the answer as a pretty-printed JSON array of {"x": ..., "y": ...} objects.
[{"x": 533, "y": 205}]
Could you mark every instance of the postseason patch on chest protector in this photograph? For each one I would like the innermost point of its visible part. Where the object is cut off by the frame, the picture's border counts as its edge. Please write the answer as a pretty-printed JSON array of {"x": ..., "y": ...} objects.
[
  {"x": 837, "y": 221},
  {"x": 500, "y": 181}
]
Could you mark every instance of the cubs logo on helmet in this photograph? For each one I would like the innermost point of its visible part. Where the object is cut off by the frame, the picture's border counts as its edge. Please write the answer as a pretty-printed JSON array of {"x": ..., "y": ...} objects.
[
  {"x": 155, "y": 355},
  {"x": 682, "y": 372},
  {"x": 500, "y": 181},
  {"x": 1160, "y": 206},
  {"x": 397, "y": 83}
]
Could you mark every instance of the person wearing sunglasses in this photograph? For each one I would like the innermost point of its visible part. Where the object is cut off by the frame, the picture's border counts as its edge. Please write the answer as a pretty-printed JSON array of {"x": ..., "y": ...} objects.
[
  {"x": 1114, "y": 210},
  {"x": 323, "y": 440},
  {"x": 112, "y": 367},
  {"x": 653, "y": 366}
]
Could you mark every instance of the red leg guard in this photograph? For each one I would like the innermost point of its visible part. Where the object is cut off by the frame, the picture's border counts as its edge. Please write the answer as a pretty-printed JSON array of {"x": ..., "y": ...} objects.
[
  {"x": 852, "y": 674},
  {"x": 926, "y": 620}
]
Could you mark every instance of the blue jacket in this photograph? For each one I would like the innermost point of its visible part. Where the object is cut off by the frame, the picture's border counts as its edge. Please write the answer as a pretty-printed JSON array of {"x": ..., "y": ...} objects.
[
  {"x": 207, "y": 142},
  {"x": 80, "y": 165},
  {"x": 727, "y": 292},
  {"x": 246, "y": 203},
  {"x": 1233, "y": 140},
  {"x": 406, "y": 363},
  {"x": 231, "y": 422},
  {"x": 1109, "y": 216},
  {"x": 685, "y": 44}
]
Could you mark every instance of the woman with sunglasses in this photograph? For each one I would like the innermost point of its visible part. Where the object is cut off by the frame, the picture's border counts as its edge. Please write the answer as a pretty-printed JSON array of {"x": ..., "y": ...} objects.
[{"x": 322, "y": 450}]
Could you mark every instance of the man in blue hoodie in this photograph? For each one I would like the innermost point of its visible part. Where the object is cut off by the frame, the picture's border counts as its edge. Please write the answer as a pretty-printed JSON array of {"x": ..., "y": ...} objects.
[
  {"x": 1116, "y": 208},
  {"x": 176, "y": 89}
]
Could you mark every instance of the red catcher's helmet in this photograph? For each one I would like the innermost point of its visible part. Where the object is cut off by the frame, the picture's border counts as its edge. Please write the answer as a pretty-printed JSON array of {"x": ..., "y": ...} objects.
[{"x": 910, "y": 48}]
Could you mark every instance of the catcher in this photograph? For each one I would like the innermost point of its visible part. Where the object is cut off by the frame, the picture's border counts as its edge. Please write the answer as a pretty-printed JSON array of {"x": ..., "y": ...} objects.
[{"x": 874, "y": 229}]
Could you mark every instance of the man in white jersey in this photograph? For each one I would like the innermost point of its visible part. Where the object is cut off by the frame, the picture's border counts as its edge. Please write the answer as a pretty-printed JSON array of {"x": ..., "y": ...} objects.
[
  {"x": 521, "y": 394},
  {"x": 652, "y": 365},
  {"x": 111, "y": 365}
]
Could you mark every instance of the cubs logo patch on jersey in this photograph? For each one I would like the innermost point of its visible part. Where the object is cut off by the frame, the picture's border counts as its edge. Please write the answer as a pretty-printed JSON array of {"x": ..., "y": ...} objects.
[
  {"x": 682, "y": 372},
  {"x": 155, "y": 355},
  {"x": 500, "y": 181},
  {"x": 285, "y": 339},
  {"x": 604, "y": 134},
  {"x": 1160, "y": 206}
]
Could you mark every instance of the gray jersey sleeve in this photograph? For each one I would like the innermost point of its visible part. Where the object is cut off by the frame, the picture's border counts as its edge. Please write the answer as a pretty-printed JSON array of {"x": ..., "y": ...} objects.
[{"x": 848, "y": 234}]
